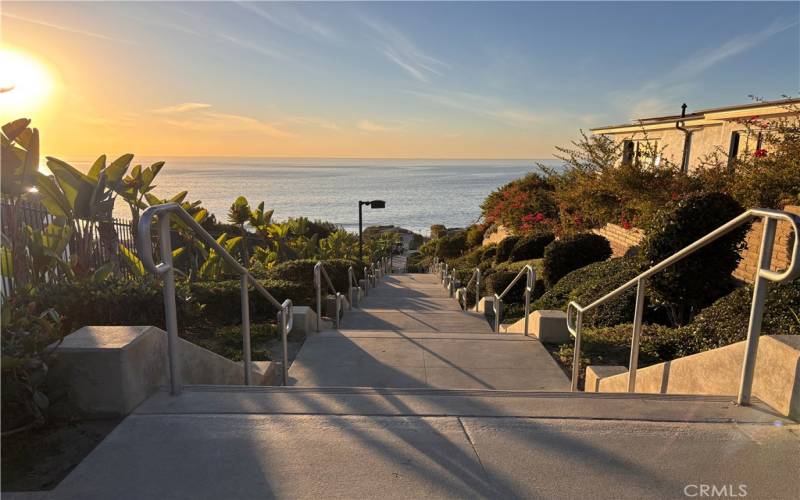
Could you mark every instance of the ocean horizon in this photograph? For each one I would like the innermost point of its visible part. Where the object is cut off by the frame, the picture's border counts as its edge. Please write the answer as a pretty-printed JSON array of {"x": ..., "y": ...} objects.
[{"x": 418, "y": 192}]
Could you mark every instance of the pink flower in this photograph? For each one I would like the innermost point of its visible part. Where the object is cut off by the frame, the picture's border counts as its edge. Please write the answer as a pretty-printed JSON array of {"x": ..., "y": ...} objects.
[
  {"x": 539, "y": 217},
  {"x": 760, "y": 153}
]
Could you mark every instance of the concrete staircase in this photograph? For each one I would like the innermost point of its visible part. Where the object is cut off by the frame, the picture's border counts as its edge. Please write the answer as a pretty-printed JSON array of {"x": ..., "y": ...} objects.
[{"x": 414, "y": 398}]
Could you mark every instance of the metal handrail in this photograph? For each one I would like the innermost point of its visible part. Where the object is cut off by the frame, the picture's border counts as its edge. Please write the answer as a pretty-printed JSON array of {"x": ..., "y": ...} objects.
[
  {"x": 476, "y": 278},
  {"x": 763, "y": 276},
  {"x": 351, "y": 283},
  {"x": 166, "y": 269},
  {"x": 530, "y": 280},
  {"x": 319, "y": 273}
]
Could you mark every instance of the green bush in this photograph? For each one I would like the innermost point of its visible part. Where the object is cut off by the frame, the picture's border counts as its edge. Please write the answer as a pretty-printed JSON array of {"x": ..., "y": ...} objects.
[
  {"x": 475, "y": 235},
  {"x": 418, "y": 263},
  {"x": 497, "y": 278},
  {"x": 725, "y": 321},
  {"x": 301, "y": 271},
  {"x": 111, "y": 302},
  {"x": 699, "y": 279},
  {"x": 505, "y": 247},
  {"x": 221, "y": 300},
  {"x": 448, "y": 247},
  {"x": 571, "y": 253},
  {"x": 591, "y": 282},
  {"x": 437, "y": 231},
  {"x": 488, "y": 254},
  {"x": 531, "y": 247}
]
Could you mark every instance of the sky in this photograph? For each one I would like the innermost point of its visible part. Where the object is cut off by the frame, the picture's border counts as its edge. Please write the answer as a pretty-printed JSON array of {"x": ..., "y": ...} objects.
[{"x": 408, "y": 80}]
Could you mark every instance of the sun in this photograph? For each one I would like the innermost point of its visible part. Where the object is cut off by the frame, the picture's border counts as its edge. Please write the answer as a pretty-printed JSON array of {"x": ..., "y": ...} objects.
[{"x": 25, "y": 84}]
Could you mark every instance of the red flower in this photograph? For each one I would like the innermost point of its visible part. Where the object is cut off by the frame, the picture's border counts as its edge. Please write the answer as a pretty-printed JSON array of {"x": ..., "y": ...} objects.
[
  {"x": 624, "y": 223},
  {"x": 760, "y": 153},
  {"x": 539, "y": 217}
]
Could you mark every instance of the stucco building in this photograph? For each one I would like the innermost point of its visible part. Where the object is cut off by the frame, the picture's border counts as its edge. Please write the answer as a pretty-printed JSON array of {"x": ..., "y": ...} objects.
[{"x": 684, "y": 139}]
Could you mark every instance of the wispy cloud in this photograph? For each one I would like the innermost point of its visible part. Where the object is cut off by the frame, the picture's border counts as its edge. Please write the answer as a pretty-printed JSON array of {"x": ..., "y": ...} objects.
[
  {"x": 68, "y": 29},
  {"x": 181, "y": 108},
  {"x": 484, "y": 106},
  {"x": 314, "y": 121},
  {"x": 400, "y": 50},
  {"x": 199, "y": 117},
  {"x": 664, "y": 94},
  {"x": 288, "y": 18},
  {"x": 370, "y": 126}
]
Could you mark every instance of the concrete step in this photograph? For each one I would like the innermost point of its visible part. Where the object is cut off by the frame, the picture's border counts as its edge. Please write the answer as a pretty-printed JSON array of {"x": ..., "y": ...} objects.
[{"x": 465, "y": 403}]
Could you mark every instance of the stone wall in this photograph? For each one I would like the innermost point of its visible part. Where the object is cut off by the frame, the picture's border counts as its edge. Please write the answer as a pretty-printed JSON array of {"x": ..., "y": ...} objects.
[
  {"x": 780, "y": 254},
  {"x": 622, "y": 240},
  {"x": 495, "y": 235}
]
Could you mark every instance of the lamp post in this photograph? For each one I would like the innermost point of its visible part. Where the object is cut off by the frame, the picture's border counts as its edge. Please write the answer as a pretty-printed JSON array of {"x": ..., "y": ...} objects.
[{"x": 372, "y": 204}]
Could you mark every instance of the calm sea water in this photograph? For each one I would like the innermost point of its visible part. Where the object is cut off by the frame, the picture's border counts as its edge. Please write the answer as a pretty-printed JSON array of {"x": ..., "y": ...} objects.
[{"x": 418, "y": 193}]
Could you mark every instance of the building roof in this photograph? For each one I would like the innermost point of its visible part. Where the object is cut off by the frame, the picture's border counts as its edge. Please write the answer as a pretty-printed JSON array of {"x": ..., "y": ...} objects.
[{"x": 725, "y": 112}]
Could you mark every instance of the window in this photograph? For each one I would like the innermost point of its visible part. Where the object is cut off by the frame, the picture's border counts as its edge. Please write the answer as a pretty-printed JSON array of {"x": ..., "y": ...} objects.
[
  {"x": 687, "y": 151},
  {"x": 627, "y": 152},
  {"x": 733, "y": 151}
]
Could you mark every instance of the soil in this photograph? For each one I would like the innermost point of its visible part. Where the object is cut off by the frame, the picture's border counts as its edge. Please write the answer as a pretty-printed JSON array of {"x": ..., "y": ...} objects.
[{"x": 39, "y": 458}]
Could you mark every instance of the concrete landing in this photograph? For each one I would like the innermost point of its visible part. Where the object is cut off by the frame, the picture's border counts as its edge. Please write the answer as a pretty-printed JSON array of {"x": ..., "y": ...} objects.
[
  {"x": 451, "y": 360},
  {"x": 190, "y": 456}
]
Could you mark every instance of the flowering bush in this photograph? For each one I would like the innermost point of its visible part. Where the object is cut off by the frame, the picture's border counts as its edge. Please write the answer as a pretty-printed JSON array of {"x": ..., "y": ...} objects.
[{"x": 525, "y": 205}]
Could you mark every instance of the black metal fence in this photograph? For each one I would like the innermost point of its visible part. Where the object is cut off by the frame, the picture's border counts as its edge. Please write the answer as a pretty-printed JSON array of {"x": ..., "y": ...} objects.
[{"x": 34, "y": 215}]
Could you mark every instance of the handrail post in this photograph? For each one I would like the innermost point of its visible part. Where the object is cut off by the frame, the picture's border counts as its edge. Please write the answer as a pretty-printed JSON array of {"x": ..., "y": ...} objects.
[
  {"x": 246, "y": 331},
  {"x": 350, "y": 279},
  {"x": 318, "y": 290},
  {"x": 498, "y": 311},
  {"x": 338, "y": 308},
  {"x": 633, "y": 365},
  {"x": 576, "y": 355},
  {"x": 528, "y": 288},
  {"x": 760, "y": 289},
  {"x": 366, "y": 281},
  {"x": 477, "y": 287},
  {"x": 170, "y": 309},
  {"x": 282, "y": 316}
]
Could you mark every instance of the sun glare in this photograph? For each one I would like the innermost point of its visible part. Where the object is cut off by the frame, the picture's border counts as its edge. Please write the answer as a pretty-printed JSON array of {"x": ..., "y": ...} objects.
[{"x": 25, "y": 84}]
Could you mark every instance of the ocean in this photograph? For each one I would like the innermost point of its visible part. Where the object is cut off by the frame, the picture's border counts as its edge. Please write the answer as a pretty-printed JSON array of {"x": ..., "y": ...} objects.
[{"x": 418, "y": 193}]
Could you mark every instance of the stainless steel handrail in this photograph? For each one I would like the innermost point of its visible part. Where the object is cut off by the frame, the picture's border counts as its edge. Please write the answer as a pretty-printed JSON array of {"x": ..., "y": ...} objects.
[
  {"x": 770, "y": 220},
  {"x": 319, "y": 273},
  {"x": 351, "y": 283},
  {"x": 530, "y": 280},
  {"x": 167, "y": 271},
  {"x": 476, "y": 277}
]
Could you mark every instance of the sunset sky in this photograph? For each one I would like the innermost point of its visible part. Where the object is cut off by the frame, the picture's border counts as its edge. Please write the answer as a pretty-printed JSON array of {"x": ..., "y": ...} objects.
[{"x": 447, "y": 80}]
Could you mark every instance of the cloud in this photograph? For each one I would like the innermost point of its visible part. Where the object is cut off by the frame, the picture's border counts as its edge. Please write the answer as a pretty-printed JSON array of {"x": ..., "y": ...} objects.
[
  {"x": 288, "y": 18},
  {"x": 198, "y": 117},
  {"x": 484, "y": 106},
  {"x": 67, "y": 29},
  {"x": 181, "y": 108},
  {"x": 315, "y": 121},
  {"x": 401, "y": 51},
  {"x": 662, "y": 95},
  {"x": 370, "y": 126}
]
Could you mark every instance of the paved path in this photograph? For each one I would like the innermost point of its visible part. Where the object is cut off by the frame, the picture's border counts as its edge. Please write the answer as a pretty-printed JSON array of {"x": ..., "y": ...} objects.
[{"x": 409, "y": 333}]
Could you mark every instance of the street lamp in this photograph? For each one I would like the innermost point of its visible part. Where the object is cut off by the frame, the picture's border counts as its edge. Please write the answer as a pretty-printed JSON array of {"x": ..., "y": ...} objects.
[{"x": 372, "y": 204}]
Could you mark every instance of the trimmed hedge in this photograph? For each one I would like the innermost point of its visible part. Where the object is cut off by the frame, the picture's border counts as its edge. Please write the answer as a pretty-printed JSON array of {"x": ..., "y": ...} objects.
[
  {"x": 496, "y": 279},
  {"x": 111, "y": 302},
  {"x": 505, "y": 247},
  {"x": 591, "y": 282},
  {"x": 725, "y": 321},
  {"x": 697, "y": 280},
  {"x": 531, "y": 247},
  {"x": 301, "y": 271},
  {"x": 571, "y": 253}
]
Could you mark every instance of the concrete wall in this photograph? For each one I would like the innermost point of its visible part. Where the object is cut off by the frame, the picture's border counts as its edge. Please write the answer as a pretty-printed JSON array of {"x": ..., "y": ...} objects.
[{"x": 718, "y": 372}]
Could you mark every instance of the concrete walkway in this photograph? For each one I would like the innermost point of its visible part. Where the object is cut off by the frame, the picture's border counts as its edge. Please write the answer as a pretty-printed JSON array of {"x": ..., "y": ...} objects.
[{"x": 409, "y": 333}]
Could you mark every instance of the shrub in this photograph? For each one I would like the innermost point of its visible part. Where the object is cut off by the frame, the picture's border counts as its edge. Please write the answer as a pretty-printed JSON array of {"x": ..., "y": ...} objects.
[
  {"x": 221, "y": 300},
  {"x": 570, "y": 253},
  {"x": 591, "y": 282},
  {"x": 111, "y": 302},
  {"x": 475, "y": 235},
  {"x": 488, "y": 254},
  {"x": 301, "y": 272},
  {"x": 524, "y": 205},
  {"x": 505, "y": 247},
  {"x": 437, "y": 231},
  {"x": 448, "y": 247},
  {"x": 417, "y": 263},
  {"x": 496, "y": 279},
  {"x": 725, "y": 321},
  {"x": 531, "y": 247},
  {"x": 699, "y": 279}
]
